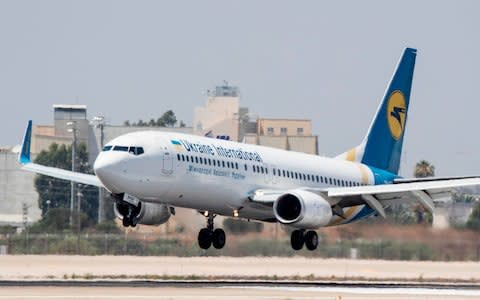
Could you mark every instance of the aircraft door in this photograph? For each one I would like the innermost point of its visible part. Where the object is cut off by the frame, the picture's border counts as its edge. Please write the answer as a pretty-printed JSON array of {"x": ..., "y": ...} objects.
[{"x": 167, "y": 163}]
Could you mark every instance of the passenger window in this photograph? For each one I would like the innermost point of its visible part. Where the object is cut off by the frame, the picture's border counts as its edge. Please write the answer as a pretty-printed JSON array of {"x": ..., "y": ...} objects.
[
  {"x": 236, "y": 165},
  {"x": 186, "y": 156},
  {"x": 196, "y": 159},
  {"x": 296, "y": 175},
  {"x": 223, "y": 163},
  {"x": 274, "y": 173},
  {"x": 245, "y": 166},
  {"x": 178, "y": 156},
  {"x": 316, "y": 177}
]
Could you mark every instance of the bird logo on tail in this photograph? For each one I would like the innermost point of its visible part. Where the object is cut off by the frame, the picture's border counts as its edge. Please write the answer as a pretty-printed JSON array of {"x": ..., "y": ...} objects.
[{"x": 396, "y": 114}]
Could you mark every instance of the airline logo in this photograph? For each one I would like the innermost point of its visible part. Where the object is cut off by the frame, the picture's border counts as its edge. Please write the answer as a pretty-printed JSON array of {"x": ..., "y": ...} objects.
[
  {"x": 396, "y": 114},
  {"x": 177, "y": 144}
]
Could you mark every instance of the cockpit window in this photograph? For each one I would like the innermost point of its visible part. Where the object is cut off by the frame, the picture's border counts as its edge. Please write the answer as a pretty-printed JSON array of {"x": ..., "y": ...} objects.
[
  {"x": 107, "y": 148},
  {"x": 136, "y": 150},
  {"x": 132, "y": 149},
  {"x": 120, "y": 148}
]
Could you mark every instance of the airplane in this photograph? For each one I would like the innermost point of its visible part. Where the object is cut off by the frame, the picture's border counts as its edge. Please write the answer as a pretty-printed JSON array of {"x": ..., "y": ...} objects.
[{"x": 150, "y": 173}]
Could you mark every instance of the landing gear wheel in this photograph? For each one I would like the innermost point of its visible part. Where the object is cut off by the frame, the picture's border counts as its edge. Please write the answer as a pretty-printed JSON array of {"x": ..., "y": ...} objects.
[
  {"x": 218, "y": 238},
  {"x": 297, "y": 239},
  {"x": 205, "y": 238},
  {"x": 311, "y": 240},
  {"x": 126, "y": 221}
]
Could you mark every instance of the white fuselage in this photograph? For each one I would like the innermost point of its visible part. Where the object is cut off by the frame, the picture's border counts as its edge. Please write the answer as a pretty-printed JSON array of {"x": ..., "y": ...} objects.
[{"x": 215, "y": 175}]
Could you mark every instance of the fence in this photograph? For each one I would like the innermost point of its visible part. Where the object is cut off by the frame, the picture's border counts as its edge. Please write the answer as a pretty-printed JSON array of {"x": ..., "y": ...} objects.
[{"x": 123, "y": 244}]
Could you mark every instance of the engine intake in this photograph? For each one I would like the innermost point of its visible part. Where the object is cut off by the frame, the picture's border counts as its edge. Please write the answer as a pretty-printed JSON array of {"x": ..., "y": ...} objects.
[
  {"x": 146, "y": 213},
  {"x": 302, "y": 209}
]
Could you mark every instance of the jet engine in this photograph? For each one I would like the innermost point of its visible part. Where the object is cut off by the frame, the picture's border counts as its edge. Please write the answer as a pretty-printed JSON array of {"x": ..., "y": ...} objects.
[
  {"x": 144, "y": 212},
  {"x": 302, "y": 209}
]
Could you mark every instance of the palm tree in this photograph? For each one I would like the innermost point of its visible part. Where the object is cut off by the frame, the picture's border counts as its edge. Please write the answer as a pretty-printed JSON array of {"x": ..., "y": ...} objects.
[{"x": 424, "y": 169}]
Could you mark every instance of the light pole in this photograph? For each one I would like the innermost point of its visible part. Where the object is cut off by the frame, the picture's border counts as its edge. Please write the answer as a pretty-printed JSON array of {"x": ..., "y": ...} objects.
[
  {"x": 73, "y": 129},
  {"x": 79, "y": 220},
  {"x": 99, "y": 122}
]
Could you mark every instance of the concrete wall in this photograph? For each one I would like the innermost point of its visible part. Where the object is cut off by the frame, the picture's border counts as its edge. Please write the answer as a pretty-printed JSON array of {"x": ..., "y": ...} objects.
[
  {"x": 16, "y": 188},
  {"x": 306, "y": 144}
]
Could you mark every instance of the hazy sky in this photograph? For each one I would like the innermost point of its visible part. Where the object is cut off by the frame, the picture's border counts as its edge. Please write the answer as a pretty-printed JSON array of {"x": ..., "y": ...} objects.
[{"x": 328, "y": 61}]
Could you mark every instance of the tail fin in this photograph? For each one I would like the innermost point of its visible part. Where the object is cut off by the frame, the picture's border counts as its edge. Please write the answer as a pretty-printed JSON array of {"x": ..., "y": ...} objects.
[
  {"x": 24, "y": 156},
  {"x": 382, "y": 146}
]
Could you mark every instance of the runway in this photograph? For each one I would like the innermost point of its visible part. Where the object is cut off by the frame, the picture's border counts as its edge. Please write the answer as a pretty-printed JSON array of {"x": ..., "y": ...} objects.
[
  {"x": 23, "y": 267},
  {"x": 182, "y": 291},
  {"x": 276, "y": 278}
]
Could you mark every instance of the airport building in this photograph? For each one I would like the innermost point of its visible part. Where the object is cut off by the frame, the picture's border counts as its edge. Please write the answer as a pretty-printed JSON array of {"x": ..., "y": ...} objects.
[
  {"x": 223, "y": 117},
  {"x": 18, "y": 197}
]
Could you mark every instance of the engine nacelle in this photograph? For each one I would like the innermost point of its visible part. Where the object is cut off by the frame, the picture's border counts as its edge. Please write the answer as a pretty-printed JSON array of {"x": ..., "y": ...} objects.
[
  {"x": 146, "y": 213},
  {"x": 302, "y": 209}
]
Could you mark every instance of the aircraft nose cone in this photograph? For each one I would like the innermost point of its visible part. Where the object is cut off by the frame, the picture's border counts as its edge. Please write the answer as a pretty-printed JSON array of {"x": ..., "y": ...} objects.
[{"x": 105, "y": 169}]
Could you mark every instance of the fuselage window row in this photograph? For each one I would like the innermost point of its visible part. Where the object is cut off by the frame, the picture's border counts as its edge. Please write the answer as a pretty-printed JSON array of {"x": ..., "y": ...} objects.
[
  {"x": 207, "y": 161},
  {"x": 255, "y": 168}
]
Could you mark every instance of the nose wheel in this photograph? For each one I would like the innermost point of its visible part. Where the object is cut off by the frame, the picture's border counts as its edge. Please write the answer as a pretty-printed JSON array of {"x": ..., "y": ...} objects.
[
  {"x": 299, "y": 238},
  {"x": 129, "y": 213},
  {"x": 208, "y": 236}
]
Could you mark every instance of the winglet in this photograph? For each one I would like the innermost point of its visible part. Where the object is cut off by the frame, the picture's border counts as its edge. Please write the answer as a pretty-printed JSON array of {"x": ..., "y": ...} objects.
[{"x": 24, "y": 156}]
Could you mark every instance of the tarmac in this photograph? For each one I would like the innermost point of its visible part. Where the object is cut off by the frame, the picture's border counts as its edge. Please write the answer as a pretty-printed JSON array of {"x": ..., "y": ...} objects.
[
  {"x": 240, "y": 293},
  {"x": 129, "y": 277},
  {"x": 13, "y": 267}
]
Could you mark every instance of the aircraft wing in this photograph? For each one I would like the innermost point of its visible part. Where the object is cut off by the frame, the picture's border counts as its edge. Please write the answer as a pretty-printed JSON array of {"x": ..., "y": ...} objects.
[
  {"x": 425, "y": 191},
  {"x": 27, "y": 164}
]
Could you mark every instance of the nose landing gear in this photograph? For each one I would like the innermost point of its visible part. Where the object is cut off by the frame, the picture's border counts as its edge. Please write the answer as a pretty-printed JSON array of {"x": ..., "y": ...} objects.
[
  {"x": 208, "y": 236},
  {"x": 129, "y": 213},
  {"x": 300, "y": 238}
]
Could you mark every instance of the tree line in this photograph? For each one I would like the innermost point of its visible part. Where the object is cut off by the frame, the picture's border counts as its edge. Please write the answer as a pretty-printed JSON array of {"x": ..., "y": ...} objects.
[{"x": 168, "y": 119}]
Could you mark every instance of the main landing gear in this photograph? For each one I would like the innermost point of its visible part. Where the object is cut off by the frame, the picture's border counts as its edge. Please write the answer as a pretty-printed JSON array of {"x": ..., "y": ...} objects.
[
  {"x": 299, "y": 238},
  {"x": 208, "y": 236}
]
